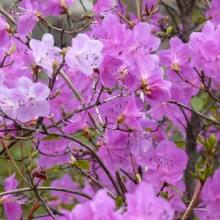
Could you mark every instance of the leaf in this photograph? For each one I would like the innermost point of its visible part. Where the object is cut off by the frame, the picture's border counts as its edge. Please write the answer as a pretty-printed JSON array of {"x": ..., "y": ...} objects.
[
  {"x": 197, "y": 103},
  {"x": 169, "y": 30},
  {"x": 175, "y": 189},
  {"x": 54, "y": 198},
  {"x": 83, "y": 164},
  {"x": 51, "y": 137},
  {"x": 119, "y": 202},
  {"x": 180, "y": 144},
  {"x": 200, "y": 140},
  {"x": 212, "y": 141},
  {"x": 89, "y": 14},
  {"x": 32, "y": 167}
]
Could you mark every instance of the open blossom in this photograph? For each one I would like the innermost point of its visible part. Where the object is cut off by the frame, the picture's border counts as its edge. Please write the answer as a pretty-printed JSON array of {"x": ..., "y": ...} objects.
[
  {"x": 28, "y": 19},
  {"x": 101, "y": 207},
  {"x": 11, "y": 206},
  {"x": 154, "y": 86},
  {"x": 53, "y": 152},
  {"x": 210, "y": 197},
  {"x": 122, "y": 111},
  {"x": 45, "y": 54},
  {"x": 8, "y": 102},
  {"x": 4, "y": 36},
  {"x": 62, "y": 197},
  {"x": 206, "y": 50},
  {"x": 31, "y": 99},
  {"x": 140, "y": 43},
  {"x": 115, "y": 152},
  {"x": 101, "y": 6},
  {"x": 166, "y": 163},
  {"x": 85, "y": 54},
  {"x": 213, "y": 12},
  {"x": 112, "y": 38},
  {"x": 144, "y": 204},
  {"x": 55, "y": 7}
]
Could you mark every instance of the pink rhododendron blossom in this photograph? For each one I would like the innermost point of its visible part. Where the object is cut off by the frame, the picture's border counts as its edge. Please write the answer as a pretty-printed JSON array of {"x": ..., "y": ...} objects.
[
  {"x": 139, "y": 145},
  {"x": 210, "y": 199},
  {"x": 144, "y": 204},
  {"x": 55, "y": 7},
  {"x": 205, "y": 50},
  {"x": 112, "y": 38},
  {"x": 85, "y": 54},
  {"x": 140, "y": 43},
  {"x": 8, "y": 102},
  {"x": 115, "y": 152},
  {"x": 4, "y": 35},
  {"x": 101, "y": 207},
  {"x": 102, "y": 6},
  {"x": 166, "y": 163},
  {"x": 101, "y": 116},
  {"x": 212, "y": 13},
  {"x": 65, "y": 182},
  {"x": 53, "y": 152},
  {"x": 12, "y": 207},
  {"x": 28, "y": 20},
  {"x": 32, "y": 99},
  {"x": 45, "y": 54}
]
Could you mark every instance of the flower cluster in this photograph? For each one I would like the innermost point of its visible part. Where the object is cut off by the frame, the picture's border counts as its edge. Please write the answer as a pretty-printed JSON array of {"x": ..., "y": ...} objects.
[{"x": 104, "y": 111}]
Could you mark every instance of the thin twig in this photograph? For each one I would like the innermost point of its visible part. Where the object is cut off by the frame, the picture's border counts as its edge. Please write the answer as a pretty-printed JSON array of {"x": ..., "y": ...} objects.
[
  {"x": 192, "y": 110},
  {"x": 11, "y": 158},
  {"x": 8, "y": 16},
  {"x": 194, "y": 200},
  {"x": 138, "y": 5},
  {"x": 43, "y": 188},
  {"x": 80, "y": 98},
  {"x": 83, "y": 6},
  {"x": 45, "y": 204}
]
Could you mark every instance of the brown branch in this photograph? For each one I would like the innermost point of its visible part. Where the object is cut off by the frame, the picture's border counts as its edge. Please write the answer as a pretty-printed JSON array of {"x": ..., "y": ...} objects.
[
  {"x": 43, "y": 188},
  {"x": 194, "y": 201}
]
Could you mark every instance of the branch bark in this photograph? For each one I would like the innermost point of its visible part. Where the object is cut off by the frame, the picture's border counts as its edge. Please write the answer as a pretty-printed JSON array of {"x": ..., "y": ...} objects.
[{"x": 194, "y": 124}]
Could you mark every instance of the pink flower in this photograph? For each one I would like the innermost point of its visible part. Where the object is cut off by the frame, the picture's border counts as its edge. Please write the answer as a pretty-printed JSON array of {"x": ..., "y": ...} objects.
[
  {"x": 4, "y": 36},
  {"x": 11, "y": 206},
  {"x": 112, "y": 38},
  {"x": 166, "y": 163},
  {"x": 8, "y": 102},
  {"x": 45, "y": 54},
  {"x": 85, "y": 54},
  {"x": 55, "y": 7},
  {"x": 139, "y": 44},
  {"x": 210, "y": 198},
  {"x": 63, "y": 197},
  {"x": 213, "y": 12},
  {"x": 102, "y": 6},
  {"x": 27, "y": 21},
  {"x": 115, "y": 152},
  {"x": 144, "y": 204},
  {"x": 32, "y": 99},
  {"x": 101, "y": 207}
]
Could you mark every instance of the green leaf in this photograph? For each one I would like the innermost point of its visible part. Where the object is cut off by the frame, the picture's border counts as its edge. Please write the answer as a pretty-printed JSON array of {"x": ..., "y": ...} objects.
[
  {"x": 197, "y": 103},
  {"x": 32, "y": 167},
  {"x": 54, "y": 198},
  {"x": 83, "y": 164},
  {"x": 175, "y": 189},
  {"x": 89, "y": 14},
  {"x": 119, "y": 202},
  {"x": 180, "y": 144},
  {"x": 200, "y": 140},
  {"x": 169, "y": 30},
  {"x": 12, "y": 49},
  {"x": 212, "y": 141},
  {"x": 51, "y": 137}
]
